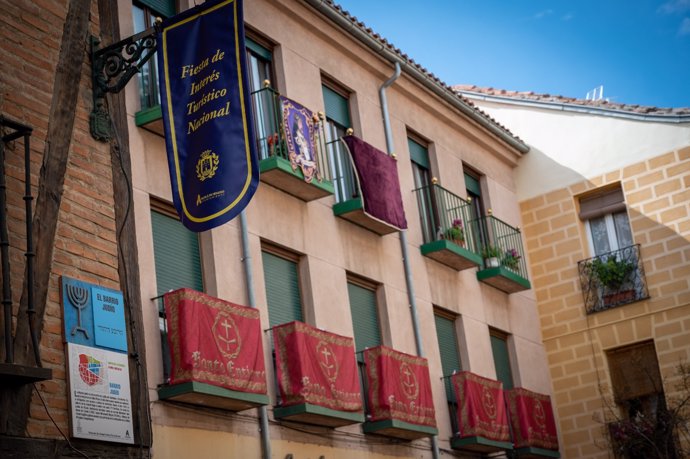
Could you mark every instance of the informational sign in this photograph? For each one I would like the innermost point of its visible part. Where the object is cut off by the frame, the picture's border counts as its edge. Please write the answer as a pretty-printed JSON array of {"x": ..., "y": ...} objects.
[
  {"x": 109, "y": 319},
  {"x": 93, "y": 315},
  {"x": 100, "y": 397}
]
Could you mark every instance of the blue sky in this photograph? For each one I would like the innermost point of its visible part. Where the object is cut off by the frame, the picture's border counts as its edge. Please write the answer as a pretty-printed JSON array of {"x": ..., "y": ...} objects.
[{"x": 639, "y": 50}]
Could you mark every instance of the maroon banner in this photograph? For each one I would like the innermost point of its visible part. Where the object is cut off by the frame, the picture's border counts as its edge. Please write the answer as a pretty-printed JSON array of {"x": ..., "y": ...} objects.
[
  {"x": 481, "y": 407},
  {"x": 377, "y": 174},
  {"x": 531, "y": 417},
  {"x": 399, "y": 387},
  {"x": 317, "y": 367},
  {"x": 214, "y": 341}
]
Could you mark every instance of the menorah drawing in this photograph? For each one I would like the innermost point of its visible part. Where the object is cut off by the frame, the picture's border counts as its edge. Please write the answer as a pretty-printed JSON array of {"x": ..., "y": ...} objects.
[{"x": 79, "y": 297}]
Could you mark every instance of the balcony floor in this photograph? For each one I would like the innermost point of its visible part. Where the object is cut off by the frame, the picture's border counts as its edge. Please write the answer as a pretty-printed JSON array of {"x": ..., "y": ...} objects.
[
  {"x": 503, "y": 279},
  {"x": 398, "y": 429},
  {"x": 451, "y": 254},
  {"x": 277, "y": 172},
  {"x": 353, "y": 211},
  {"x": 318, "y": 415},
  {"x": 480, "y": 444},
  {"x": 197, "y": 393}
]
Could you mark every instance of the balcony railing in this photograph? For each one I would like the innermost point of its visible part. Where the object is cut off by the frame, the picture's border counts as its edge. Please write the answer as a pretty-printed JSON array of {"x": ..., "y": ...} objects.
[
  {"x": 506, "y": 243},
  {"x": 612, "y": 279},
  {"x": 450, "y": 236}
]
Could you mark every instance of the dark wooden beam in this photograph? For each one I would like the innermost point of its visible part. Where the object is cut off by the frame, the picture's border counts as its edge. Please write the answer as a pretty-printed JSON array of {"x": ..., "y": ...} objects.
[{"x": 128, "y": 257}]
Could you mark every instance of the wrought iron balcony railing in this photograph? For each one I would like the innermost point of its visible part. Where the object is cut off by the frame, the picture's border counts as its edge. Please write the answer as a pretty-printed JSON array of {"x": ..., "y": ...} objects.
[
  {"x": 612, "y": 279},
  {"x": 502, "y": 242},
  {"x": 447, "y": 216},
  {"x": 270, "y": 137}
]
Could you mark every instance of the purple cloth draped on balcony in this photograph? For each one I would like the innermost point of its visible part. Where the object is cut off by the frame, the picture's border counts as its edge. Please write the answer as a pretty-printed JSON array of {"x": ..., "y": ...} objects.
[{"x": 377, "y": 174}]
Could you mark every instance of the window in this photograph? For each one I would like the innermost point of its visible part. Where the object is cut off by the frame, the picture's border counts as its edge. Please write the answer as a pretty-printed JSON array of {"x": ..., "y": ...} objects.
[
  {"x": 447, "y": 346},
  {"x": 283, "y": 293},
  {"x": 419, "y": 156},
  {"x": 499, "y": 348},
  {"x": 474, "y": 195},
  {"x": 178, "y": 264},
  {"x": 144, "y": 15},
  {"x": 176, "y": 254},
  {"x": 635, "y": 379},
  {"x": 265, "y": 104},
  {"x": 365, "y": 318},
  {"x": 606, "y": 220},
  {"x": 337, "y": 123}
]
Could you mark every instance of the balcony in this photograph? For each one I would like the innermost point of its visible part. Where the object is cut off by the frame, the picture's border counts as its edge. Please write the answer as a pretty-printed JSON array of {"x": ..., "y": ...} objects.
[
  {"x": 449, "y": 235},
  {"x": 150, "y": 119},
  {"x": 398, "y": 401},
  {"x": 504, "y": 266},
  {"x": 316, "y": 376},
  {"x": 533, "y": 425},
  {"x": 612, "y": 279},
  {"x": 275, "y": 165},
  {"x": 478, "y": 416},
  {"x": 220, "y": 367}
]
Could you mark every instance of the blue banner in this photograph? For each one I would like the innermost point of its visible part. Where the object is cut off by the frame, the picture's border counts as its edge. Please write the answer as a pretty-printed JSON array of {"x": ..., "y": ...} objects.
[{"x": 209, "y": 132}]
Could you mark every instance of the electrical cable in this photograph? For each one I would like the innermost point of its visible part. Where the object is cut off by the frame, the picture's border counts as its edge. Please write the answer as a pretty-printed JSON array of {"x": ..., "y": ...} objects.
[{"x": 81, "y": 453}]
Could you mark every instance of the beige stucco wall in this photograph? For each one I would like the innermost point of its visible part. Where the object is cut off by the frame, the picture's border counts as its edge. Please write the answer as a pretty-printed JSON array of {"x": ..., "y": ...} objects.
[
  {"x": 658, "y": 200},
  {"x": 330, "y": 247}
]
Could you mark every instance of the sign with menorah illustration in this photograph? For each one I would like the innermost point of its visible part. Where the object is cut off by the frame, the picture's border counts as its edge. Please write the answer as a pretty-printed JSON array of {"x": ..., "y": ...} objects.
[{"x": 93, "y": 315}]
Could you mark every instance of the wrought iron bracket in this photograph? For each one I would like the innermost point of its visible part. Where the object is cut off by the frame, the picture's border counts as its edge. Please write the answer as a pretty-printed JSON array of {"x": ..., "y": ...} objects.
[{"x": 111, "y": 69}]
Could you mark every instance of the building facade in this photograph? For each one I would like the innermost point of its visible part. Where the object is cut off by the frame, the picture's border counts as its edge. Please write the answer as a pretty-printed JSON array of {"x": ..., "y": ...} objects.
[
  {"x": 303, "y": 251},
  {"x": 602, "y": 182}
]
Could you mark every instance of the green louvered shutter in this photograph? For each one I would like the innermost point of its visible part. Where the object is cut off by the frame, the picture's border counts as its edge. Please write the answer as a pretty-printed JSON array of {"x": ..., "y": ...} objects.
[
  {"x": 499, "y": 347},
  {"x": 282, "y": 289},
  {"x": 448, "y": 348},
  {"x": 472, "y": 185},
  {"x": 418, "y": 154},
  {"x": 176, "y": 254},
  {"x": 365, "y": 319},
  {"x": 166, "y": 8},
  {"x": 336, "y": 107},
  {"x": 258, "y": 49}
]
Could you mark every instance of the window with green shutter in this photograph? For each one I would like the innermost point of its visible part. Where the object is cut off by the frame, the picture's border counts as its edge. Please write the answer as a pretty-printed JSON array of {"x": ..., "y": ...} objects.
[
  {"x": 178, "y": 264},
  {"x": 176, "y": 254},
  {"x": 365, "y": 318},
  {"x": 499, "y": 347},
  {"x": 337, "y": 123},
  {"x": 448, "y": 347},
  {"x": 283, "y": 295}
]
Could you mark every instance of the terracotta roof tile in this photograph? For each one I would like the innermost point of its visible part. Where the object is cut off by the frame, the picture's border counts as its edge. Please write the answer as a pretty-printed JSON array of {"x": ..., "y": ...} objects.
[{"x": 603, "y": 103}]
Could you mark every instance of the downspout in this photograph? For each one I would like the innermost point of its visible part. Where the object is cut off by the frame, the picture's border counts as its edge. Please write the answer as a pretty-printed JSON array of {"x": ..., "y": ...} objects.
[
  {"x": 249, "y": 278},
  {"x": 403, "y": 237}
]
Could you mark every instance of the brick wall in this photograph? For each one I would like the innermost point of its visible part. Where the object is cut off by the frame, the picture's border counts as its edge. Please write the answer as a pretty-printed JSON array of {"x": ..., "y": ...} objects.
[
  {"x": 85, "y": 245},
  {"x": 657, "y": 194}
]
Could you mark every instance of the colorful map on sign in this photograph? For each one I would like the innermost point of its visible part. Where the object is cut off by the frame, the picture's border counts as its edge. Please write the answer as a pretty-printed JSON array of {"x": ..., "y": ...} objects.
[{"x": 90, "y": 370}]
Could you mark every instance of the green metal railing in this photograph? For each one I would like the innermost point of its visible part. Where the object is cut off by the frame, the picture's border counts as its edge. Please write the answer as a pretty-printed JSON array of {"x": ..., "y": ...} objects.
[
  {"x": 270, "y": 136},
  {"x": 503, "y": 242},
  {"x": 447, "y": 216}
]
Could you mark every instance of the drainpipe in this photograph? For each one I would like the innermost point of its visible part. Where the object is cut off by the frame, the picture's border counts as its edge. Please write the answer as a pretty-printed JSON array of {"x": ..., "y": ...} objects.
[
  {"x": 249, "y": 278},
  {"x": 403, "y": 237}
]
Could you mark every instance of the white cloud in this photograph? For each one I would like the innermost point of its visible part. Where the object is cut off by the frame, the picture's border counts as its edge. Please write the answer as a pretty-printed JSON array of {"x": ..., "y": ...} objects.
[
  {"x": 567, "y": 17},
  {"x": 543, "y": 14},
  {"x": 675, "y": 6},
  {"x": 684, "y": 27}
]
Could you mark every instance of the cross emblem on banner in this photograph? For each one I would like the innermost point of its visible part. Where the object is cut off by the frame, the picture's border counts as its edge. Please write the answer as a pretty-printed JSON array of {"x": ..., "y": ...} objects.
[
  {"x": 327, "y": 360},
  {"x": 409, "y": 381},
  {"x": 226, "y": 335}
]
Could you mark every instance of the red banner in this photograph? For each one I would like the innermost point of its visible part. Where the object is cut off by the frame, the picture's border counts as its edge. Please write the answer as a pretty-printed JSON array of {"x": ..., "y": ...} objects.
[
  {"x": 481, "y": 407},
  {"x": 317, "y": 367},
  {"x": 531, "y": 417},
  {"x": 399, "y": 387},
  {"x": 214, "y": 341}
]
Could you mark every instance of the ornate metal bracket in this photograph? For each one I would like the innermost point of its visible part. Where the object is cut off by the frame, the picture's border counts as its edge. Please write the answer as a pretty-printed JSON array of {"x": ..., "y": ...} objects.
[{"x": 111, "y": 69}]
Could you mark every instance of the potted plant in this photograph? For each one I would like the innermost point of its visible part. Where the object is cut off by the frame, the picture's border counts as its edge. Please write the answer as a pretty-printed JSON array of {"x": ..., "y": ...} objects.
[
  {"x": 491, "y": 253},
  {"x": 612, "y": 274},
  {"x": 511, "y": 259},
  {"x": 456, "y": 233}
]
